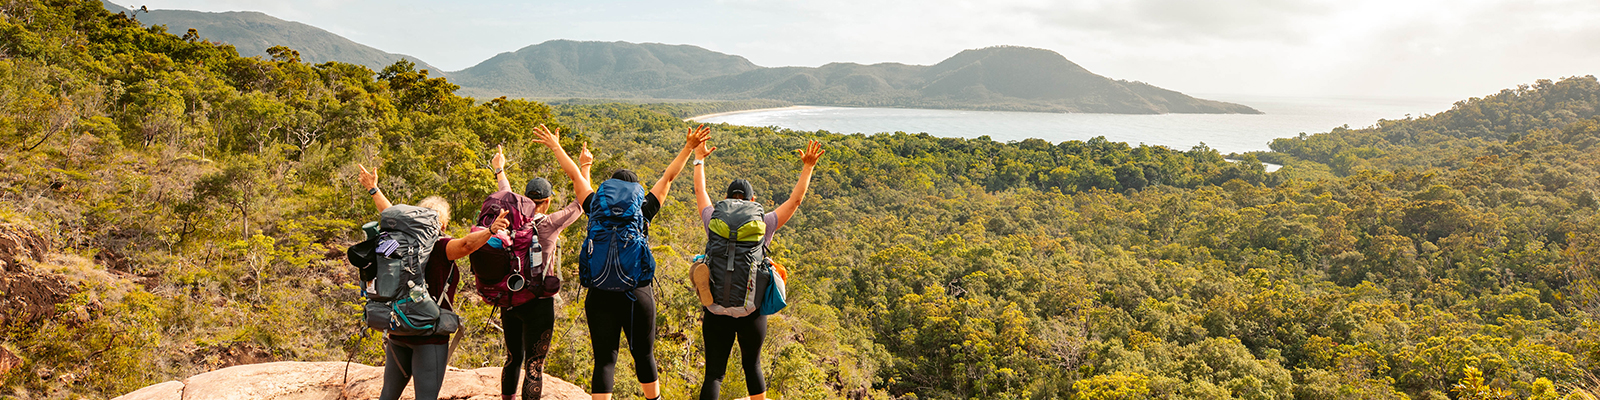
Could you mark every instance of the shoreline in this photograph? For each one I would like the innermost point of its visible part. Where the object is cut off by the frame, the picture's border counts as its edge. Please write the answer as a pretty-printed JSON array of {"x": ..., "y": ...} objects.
[{"x": 698, "y": 117}]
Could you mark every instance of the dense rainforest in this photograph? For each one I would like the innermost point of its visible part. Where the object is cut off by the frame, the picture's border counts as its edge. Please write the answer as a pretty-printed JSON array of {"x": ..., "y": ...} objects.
[{"x": 188, "y": 209}]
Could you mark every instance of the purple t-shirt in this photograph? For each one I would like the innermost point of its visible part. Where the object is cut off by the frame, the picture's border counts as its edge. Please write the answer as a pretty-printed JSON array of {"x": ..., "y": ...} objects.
[
  {"x": 771, "y": 219},
  {"x": 550, "y": 227}
]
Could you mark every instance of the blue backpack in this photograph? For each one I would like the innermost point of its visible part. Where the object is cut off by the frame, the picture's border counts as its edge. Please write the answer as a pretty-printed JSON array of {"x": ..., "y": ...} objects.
[{"x": 616, "y": 254}]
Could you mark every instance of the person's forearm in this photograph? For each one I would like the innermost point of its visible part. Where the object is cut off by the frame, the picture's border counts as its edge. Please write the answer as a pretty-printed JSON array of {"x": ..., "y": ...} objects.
[
  {"x": 502, "y": 182},
  {"x": 702, "y": 199},
  {"x": 477, "y": 239},
  {"x": 567, "y": 166},
  {"x": 802, "y": 186},
  {"x": 467, "y": 244},
  {"x": 665, "y": 184},
  {"x": 677, "y": 164},
  {"x": 582, "y": 188},
  {"x": 789, "y": 207},
  {"x": 380, "y": 201}
]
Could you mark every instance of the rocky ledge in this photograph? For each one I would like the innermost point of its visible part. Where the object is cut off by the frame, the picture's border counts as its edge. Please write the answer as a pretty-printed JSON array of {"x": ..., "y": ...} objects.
[{"x": 327, "y": 381}]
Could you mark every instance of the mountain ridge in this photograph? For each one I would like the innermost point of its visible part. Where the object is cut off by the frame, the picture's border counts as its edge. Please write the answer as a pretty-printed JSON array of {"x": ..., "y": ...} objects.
[
  {"x": 1009, "y": 78},
  {"x": 253, "y": 32},
  {"x": 996, "y": 78},
  {"x": 602, "y": 68}
]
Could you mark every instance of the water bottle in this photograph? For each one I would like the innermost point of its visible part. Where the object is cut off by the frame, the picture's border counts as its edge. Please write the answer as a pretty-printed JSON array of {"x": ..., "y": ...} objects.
[
  {"x": 418, "y": 293},
  {"x": 536, "y": 255}
]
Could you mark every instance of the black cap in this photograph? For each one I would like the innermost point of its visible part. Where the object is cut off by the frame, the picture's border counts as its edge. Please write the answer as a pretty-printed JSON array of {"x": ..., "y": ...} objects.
[
  {"x": 538, "y": 188},
  {"x": 741, "y": 189},
  {"x": 625, "y": 175}
]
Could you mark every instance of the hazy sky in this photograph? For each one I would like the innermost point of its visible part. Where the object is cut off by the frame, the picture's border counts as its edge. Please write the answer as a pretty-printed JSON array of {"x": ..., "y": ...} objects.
[{"x": 1421, "y": 48}]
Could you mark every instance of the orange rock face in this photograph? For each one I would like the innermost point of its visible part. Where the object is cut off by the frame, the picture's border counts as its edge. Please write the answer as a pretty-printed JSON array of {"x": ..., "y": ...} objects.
[{"x": 327, "y": 381}]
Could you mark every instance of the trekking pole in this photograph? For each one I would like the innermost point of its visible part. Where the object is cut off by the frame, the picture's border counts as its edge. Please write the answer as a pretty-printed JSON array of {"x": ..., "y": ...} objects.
[
  {"x": 461, "y": 331},
  {"x": 454, "y": 341},
  {"x": 489, "y": 320}
]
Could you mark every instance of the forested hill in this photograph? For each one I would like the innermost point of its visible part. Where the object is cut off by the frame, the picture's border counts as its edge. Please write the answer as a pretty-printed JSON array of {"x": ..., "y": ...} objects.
[
  {"x": 168, "y": 207},
  {"x": 995, "y": 78},
  {"x": 1501, "y": 124},
  {"x": 566, "y": 68},
  {"x": 252, "y": 33}
]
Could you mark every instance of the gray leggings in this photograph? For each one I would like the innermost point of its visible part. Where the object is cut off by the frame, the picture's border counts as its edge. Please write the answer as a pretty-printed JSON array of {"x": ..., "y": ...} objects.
[{"x": 425, "y": 362}]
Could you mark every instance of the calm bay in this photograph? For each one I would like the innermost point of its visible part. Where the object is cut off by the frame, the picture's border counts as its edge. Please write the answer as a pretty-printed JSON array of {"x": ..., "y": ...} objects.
[{"x": 1283, "y": 117}]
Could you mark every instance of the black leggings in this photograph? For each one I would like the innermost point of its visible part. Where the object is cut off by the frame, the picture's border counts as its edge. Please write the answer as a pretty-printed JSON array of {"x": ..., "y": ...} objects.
[
  {"x": 404, "y": 361},
  {"x": 719, "y": 332},
  {"x": 612, "y": 313},
  {"x": 528, "y": 328}
]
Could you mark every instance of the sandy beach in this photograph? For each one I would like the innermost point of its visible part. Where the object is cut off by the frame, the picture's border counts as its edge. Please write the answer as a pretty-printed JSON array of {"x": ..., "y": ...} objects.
[{"x": 700, "y": 117}]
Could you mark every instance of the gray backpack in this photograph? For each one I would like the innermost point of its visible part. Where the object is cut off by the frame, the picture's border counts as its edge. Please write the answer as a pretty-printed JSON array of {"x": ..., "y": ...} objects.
[
  {"x": 396, "y": 265},
  {"x": 406, "y": 235},
  {"x": 735, "y": 257}
]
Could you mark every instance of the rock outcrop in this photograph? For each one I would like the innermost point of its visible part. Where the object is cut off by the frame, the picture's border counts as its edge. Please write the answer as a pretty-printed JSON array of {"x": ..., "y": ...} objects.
[
  {"x": 17, "y": 244},
  {"x": 327, "y": 381},
  {"x": 25, "y": 294}
]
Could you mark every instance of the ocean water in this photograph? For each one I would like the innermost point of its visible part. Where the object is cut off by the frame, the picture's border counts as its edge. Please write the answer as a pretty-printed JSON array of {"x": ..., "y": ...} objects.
[{"x": 1284, "y": 117}]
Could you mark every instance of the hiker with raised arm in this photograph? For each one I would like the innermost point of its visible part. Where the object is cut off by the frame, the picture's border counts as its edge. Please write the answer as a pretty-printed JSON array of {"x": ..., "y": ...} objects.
[
  {"x": 519, "y": 270},
  {"x": 412, "y": 265},
  {"x": 618, "y": 268},
  {"x": 737, "y": 283}
]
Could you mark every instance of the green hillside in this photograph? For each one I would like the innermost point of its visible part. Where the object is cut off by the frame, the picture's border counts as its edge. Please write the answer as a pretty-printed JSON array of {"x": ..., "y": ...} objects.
[
  {"x": 565, "y": 68},
  {"x": 252, "y": 33},
  {"x": 1451, "y": 139},
  {"x": 996, "y": 78},
  {"x": 168, "y": 207}
]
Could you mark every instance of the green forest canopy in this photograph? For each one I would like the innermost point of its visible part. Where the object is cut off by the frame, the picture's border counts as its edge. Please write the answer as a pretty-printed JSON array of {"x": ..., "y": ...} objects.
[{"x": 200, "y": 202}]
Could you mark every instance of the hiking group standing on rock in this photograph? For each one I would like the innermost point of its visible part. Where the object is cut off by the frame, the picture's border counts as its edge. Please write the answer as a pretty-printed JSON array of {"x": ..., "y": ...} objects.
[{"x": 409, "y": 276}]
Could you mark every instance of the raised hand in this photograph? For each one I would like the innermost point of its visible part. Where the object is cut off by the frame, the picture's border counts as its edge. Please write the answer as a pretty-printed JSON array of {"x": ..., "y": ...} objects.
[
  {"x": 811, "y": 153},
  {"x": 704, "y": 150},
  {"x": 500, "y": 222},
  {"x": 499, "y": 160},
  {"x": 550, "y": 137},
  {"x": 368, "y": 179},
  {"x": 584, "y": 156},
  {"x": 697, "y": 136}
]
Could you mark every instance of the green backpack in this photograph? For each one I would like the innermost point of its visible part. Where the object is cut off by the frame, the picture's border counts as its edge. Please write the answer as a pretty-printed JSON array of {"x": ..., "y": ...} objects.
[{"x": 736, "y": 257}]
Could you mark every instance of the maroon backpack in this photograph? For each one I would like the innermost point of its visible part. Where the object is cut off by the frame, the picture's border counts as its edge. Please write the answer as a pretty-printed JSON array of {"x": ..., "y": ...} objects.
[{"x": 515, "y": 273}]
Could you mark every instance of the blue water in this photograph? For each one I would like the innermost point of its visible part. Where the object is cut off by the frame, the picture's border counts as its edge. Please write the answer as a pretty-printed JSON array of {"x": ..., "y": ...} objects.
[{"x": 1284, "y": 117}]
